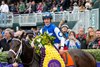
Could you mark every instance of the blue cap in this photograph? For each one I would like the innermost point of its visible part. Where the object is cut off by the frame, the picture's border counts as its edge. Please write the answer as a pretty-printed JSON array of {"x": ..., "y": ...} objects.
[{"x": 46, "y": 15}]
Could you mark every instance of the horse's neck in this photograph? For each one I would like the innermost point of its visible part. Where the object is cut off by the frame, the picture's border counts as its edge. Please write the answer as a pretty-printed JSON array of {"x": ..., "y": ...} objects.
[
  {"x": 27, "y": 49},
  {"x": 27, "y": 53},
  {"x": 29, "y": 57}
]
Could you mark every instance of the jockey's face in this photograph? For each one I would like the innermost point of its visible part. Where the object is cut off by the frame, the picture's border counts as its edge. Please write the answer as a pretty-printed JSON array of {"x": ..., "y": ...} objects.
[{"x": 47, "y": 21}]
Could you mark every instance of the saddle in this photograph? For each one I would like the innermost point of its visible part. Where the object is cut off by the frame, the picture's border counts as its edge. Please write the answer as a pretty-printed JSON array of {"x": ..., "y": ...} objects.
[{"x": 67, "y": 59}]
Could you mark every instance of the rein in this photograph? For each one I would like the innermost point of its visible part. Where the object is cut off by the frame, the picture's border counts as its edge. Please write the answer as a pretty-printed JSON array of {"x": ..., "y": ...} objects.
[{"x": 19, "y": 50}]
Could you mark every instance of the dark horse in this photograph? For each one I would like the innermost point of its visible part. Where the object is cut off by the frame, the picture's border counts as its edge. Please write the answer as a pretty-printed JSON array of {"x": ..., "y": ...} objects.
[{"x": 28, "y": 55}]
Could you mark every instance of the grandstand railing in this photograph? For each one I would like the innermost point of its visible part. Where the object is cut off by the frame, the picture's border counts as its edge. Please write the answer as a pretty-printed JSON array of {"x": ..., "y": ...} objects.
[{"x": 86, "y": 18}]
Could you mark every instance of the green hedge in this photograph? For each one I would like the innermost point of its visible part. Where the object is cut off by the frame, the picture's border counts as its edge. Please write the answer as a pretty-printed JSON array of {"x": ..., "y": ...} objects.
[
  {"x": 3, "y": 56},
  {"x": 95, "y": 52}
]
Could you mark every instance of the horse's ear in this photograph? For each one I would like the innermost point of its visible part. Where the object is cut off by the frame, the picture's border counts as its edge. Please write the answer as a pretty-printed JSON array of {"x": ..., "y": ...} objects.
[{"x": 22, "y": 35}]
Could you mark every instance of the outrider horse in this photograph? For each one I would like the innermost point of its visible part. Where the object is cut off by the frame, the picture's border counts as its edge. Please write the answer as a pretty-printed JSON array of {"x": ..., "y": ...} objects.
[{"x": 31, "y": 59}]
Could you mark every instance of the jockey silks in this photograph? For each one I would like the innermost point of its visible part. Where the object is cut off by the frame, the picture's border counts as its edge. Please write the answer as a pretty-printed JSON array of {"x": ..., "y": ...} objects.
[{"x": 52, "y": 30}]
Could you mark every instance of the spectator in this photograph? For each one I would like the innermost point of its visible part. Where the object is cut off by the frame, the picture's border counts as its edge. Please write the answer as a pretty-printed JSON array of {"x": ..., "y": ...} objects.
[
  {"x": 66, "y": 4},
  {"x": 90, "y": 35},
  {"x": 71, "y": 4},
  {"x": 65, "y": 30},
  {"x": 88, "y": 5},
  {"x": 45, "y": 8},
  {"x": 28, "y": 9},
  {"x": 72, "y": 42},
  {"x": 19, "y": 33},
  {"x": 49, "y": 4},
  {"x": 40, "y": 7},
  {"x": 81, "y": 8},
  {"x": 81, "y": 36},
  {"x": 61, "y": 8},
  {"x": 96, "y": 43},
  {"x": 7, "y": 39},
  {"x": 17, "y": 7},
  {"x": 36, "y": 31},
  {"x": 21, "y": 7},
  {"x": 4, "y": 11},
  {"x": 54, "y": 9},
  {"x": 54, "y": 6},
  {"x": 33, "y": 6},
  {"x": 12, "y": 8},
  {"x": 81, "y": 2},
  {"x": 75, "y": 8},
  {"x": 52, "y": 30}
]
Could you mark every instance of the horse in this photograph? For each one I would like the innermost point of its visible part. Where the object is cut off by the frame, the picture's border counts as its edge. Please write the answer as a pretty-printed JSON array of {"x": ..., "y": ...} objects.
[
  {"x": 28, "y": 56},
  {"x": 31, "y": 59}
]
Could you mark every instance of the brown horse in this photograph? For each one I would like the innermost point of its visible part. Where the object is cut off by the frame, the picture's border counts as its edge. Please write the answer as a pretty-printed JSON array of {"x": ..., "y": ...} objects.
[{"x": 31, "y": 59}]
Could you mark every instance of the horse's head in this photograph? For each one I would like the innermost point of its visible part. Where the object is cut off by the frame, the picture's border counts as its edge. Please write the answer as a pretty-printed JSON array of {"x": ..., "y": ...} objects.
[{"x": 15, "y": 50}]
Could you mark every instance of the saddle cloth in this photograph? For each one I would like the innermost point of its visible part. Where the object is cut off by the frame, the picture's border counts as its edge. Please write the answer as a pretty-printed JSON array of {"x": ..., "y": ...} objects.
[{"x": 68, "y": 59}]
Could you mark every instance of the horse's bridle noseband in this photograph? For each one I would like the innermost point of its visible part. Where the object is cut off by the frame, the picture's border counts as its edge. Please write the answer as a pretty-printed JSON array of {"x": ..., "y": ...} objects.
[{"x": 19, "y": 50}]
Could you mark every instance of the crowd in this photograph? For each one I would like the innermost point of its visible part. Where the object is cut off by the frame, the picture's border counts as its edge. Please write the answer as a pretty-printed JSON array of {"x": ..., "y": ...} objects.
[
  {"x": 82, "y": 40},
  {"x": 40, "y": 7},
  {"x": 48, "y": 5}
]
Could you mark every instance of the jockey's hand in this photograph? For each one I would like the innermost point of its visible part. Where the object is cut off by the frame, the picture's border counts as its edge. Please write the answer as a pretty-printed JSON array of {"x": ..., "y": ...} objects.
[
  {"x": 15, "y": 64},
  {"x": 61, "y": 51}
]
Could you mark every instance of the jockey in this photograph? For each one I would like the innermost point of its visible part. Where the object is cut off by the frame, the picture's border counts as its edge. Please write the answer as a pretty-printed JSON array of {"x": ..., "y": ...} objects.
[{"x": 52, "y": 30}]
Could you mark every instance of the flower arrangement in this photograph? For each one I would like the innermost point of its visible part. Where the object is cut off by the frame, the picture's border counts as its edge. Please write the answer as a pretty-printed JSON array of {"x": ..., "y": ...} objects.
[
  {"x": 49, "y": 55},
  {"x": 44, "y": 39}
]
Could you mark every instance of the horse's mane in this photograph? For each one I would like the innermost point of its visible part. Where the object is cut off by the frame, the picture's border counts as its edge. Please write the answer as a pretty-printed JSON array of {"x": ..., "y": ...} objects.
[
  {"x": 27, "y": 52},
  {"x": 28, "y": 55}
]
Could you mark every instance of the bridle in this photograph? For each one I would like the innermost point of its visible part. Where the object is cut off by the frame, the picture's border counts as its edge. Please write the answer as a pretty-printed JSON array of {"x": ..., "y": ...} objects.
[{"x": 19, "y": 50}]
